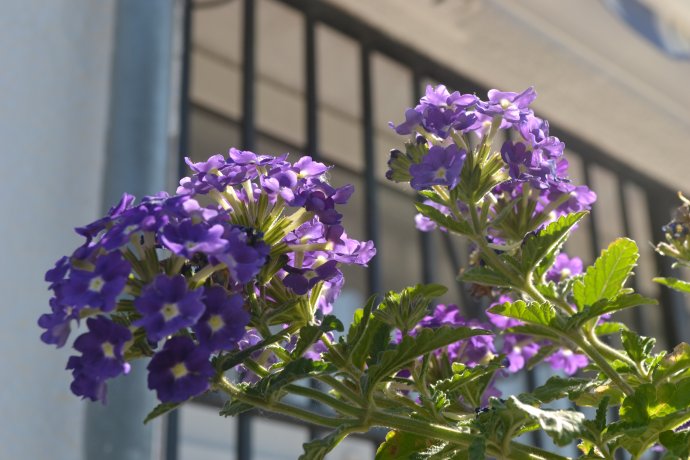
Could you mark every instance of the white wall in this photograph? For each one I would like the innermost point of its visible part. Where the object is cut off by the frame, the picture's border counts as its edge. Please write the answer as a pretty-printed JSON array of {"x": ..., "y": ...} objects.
[{"x": 54, "y": 86}]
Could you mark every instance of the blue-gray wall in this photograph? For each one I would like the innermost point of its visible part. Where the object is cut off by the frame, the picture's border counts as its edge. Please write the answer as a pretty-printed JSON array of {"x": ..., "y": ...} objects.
[{"x": 55, "y": 67}]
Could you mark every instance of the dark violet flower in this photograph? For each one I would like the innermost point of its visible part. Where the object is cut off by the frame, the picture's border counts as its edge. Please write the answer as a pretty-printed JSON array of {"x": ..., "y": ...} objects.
[
  {"x": 516, "y": 156},
  {"x": 567, "y": 360},
  {"x": 99, "y": 288},
  {"x": 188, "y": 238},
  {"x": 83, "y": 384},
  {"x": 102, "y": 348},
  {"x": 167, "y": 306},
  {"x": 179, "y": 371},
  {"x": 301, "y": 280},
  {"x": 56, "y": 324},
  {"x": 245, "y": 255},
  {"x": 223, "y": 322},
  {"x": 564, "y": 267},
  {"x": 441, "y": 166},
  {"x": 412, "y": 119},
  {"x": 581, "y": 198}
]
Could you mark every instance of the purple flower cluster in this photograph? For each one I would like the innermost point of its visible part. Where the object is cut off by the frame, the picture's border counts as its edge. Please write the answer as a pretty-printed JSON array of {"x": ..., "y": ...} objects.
[
  {"x": 171, "y": 277},
  {"x": 445, "y": 124}
]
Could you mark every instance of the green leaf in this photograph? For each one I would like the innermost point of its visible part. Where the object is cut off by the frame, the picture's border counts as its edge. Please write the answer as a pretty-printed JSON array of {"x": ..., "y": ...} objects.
[
  {"x": 606, "y": 306},
  {"x": 366, "y": 337},
  {"x": 548, "y": 241},
  {"x": 460, "y": 227},
  {"x": 558, "y": 388},
  {"x": 469, "y": 382},
  {"x": 563, "y": 426},
  {"x": 678, "y": 444},
  {"x": 534, "y": 330},
  {"x": 637, "y": 347},
  {"x": 308, "y": 335},
  {"x": 605, "y": 279},
  {"x": 609, "y": 327},
  {"x": 234, "y": 407},
  {"x": 484, "y": 276},
  {"x": 405, "y": 309},
  {"x": 162, "y": 408},
  {"x": 401, "y": 445},
  {"x": 410, "y": 348},
  {"x": 318, "y": 448},
  {"x": 675, "y": 365},
  {"x": 674, "y": 283},
  {"x": 294, "y": 370},
  {"x": 542, "y": 314},
  {"x": 600, "y": 418}
]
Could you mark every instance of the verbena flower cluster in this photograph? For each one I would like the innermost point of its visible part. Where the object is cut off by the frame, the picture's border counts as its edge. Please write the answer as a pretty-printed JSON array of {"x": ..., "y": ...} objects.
[
  {"x": 247, "y": 242},
  {"x": 450, "y": 135}
]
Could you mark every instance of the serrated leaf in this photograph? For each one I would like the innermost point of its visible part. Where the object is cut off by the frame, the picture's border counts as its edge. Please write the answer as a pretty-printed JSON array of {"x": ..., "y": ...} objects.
[
  {"x": 548, "y": 241},
  {"x": 558, "y": 388},
  {"x": 308, "y": 335},
  {"x": 678, "y": 444},
  {"x": 563, "y": 426},
  {"x": 484, "y": 276},
  {"x": 674, "y": 283},
  {"x": 609, "y": 327},
  {"x": 605, "y": 279},
  {"x": 676, "y": 364},
  {"x": 318, "y": 448},
  {"x": 600, "y": 418},
  {"x": 235, "y": 407},
  {"x": 161, "y": 409},
  {"x": 452, "y": 225},
  {"x": 542, "y": 314},
  {"x": 534, "y": 331},
  {"x": 298, "y": 369},
  {"x": 401, "y": 445},
  {"x": 410, "y": 348},
  {"x": 606, "y": 306},
  {"x": 637, "y": 347}
]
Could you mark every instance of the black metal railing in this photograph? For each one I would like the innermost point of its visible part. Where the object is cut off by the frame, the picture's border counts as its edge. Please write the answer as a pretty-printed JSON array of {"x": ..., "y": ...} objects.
[{"x": 658, "y": 199}]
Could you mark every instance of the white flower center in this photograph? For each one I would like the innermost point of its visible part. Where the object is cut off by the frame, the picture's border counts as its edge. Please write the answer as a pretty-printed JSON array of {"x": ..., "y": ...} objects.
[
  {"x": 505, "y": 103},
  {"x": 216, "y": 323},
  {"x": 169, "y": 311},
  {"x": 108, "y": 350},
  {"x": 179, "y": 370},
  {"x": 440, "y": 173},
  {"x": 96, "y": 284}
]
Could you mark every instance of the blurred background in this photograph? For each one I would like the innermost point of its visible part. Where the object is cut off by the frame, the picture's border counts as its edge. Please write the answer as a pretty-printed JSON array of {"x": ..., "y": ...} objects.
[{"x": 99, "y": 97}]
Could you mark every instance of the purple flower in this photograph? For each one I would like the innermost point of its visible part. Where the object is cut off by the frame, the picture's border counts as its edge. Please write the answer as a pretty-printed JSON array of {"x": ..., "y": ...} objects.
[
  {"x": 567, "y": 360},
  {"x": 98, "y": 288},
  {"x": 471, "y": 351},
  {"x": 511, "y": 106},
  {"x": 167, "y": 306},
  {"x": 245, "y": 255},
  {"x": 188, "y": 238},
  {"x": 223, "y": 322},
  {"x": 441, "y": 166},
  {"x": 102, "y": 348},
  {"x": 85, "y": 385},
  {"x": 564, "y": 268},
  {"x": 56, "y": 324},
  {"x": 301, "y": 280},
  {"x": 179, "y": 371},
  {"x": 518, "y": 350}
]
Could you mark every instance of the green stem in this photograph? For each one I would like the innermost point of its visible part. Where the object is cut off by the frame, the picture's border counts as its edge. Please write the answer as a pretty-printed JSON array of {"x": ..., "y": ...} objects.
[
  {"x": 341, "y": 388},
  {"x": 281, "y": 408},
  {"x": 316, "y": 395},
  {"x": 603, "y": 364}
]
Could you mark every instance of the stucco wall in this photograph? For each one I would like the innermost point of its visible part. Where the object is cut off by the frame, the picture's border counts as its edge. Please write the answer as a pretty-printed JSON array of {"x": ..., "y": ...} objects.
[{"x": 54, "y": 86}]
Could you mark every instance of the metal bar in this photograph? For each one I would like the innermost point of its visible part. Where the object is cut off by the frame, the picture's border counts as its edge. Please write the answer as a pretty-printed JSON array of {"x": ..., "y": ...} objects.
[
  {"x": 172, "y": 430},
  {"x": 593, "y": 235},
  {"x": 671, "y": 302},
  {"x": 371, "y": 195},
  {"x": 244, "y": 422}
]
